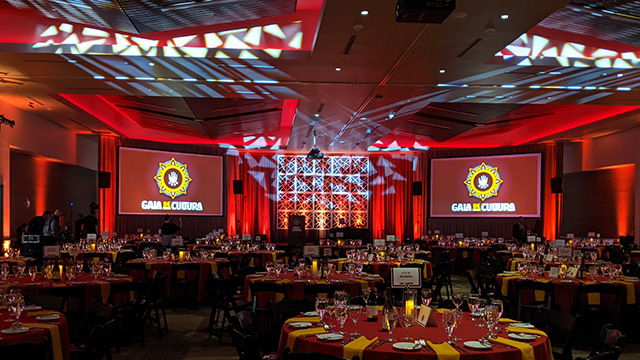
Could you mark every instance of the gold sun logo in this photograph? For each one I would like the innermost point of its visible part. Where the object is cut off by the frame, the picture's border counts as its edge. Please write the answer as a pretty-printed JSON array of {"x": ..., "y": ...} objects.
[
  {"x": 483, "y": 181},
  {"x": 172, "y": 178}
]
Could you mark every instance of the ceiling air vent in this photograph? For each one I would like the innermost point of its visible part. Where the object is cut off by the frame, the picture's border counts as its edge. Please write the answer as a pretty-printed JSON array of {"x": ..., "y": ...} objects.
[{"x": 347, "y": 48}]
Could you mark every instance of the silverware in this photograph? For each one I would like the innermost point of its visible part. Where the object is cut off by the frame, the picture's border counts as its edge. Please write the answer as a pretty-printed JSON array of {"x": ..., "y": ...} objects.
[
  {"x": 380, "y": 343},
  {"x": 459, "y": 348},
  {"x": 347, "y": 341},
  {"x": 426, "y": 346},
  {"x": 374, "y": 344}
]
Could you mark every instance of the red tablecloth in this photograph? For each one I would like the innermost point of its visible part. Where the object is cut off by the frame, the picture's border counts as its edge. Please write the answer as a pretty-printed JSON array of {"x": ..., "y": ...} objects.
[
  {"x": 93, "y": 289},
  {"x": 207, "y": 267},
  {"x": 34, "y": 335},
  {"x": 473, "y": 256},
  {"x": 564, "y": 290},
  {"x": 436, "y": 334},
  {"x": 383, "y": 268},
  {"x": 295, "y": 285}
]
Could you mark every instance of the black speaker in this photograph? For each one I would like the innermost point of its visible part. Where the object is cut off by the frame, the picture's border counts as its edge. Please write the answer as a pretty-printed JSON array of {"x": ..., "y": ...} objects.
[
  {"x": 556, "y": 185},
  {"x": 417, "y": 188},
  {"x": 104, "y": 180},
  {"x": 237, "y": 187}
]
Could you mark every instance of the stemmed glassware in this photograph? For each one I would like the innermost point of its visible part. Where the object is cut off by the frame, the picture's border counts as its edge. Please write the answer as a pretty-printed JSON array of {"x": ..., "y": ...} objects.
[
  {"x": 426, "y": 296},
  {"x": 321, "y": 307},
  {"x": 355, "y": 312},
  {"x": 4, "y": 271},
  {"x": 33, "y": 271},
  {"x": 458, "y": 315},
  {"x": 458, "y": 299},
  {"x": 449, "y": 323},
  {"x": 341, "y": 314},
  {"x": 491, "y": 317},
  {"x": 70, "y": 271},
  {"x": 390, "y": 316},
  {"x": 16, "y": 303},
  {"x": 474, "y": 303}
]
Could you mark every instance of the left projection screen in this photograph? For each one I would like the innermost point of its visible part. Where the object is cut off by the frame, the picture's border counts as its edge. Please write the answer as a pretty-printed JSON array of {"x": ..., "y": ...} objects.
[{"x": 152, "y": 182}]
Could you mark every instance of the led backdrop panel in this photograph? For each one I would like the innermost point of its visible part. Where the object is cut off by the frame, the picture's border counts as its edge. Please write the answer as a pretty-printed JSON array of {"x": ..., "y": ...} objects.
[{"x": 330, "y": 192}]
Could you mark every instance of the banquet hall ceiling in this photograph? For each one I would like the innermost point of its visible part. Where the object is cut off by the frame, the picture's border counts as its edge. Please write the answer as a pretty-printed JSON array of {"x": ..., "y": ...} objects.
[{"x": 271, "y": 74}]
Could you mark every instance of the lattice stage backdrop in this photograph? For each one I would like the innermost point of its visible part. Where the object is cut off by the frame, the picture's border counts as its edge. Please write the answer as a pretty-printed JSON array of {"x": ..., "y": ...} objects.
[{"x": 323, "y": 190}]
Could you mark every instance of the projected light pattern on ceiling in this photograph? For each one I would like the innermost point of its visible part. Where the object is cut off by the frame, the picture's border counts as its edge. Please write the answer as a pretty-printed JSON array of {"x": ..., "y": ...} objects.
[
  {"x": 268, "y": 41},
  {"x": 325, "y": 191},
  {"x": 532, "y": 49}
]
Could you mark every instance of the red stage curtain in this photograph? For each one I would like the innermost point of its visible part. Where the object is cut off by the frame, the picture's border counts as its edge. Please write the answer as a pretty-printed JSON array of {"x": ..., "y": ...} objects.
[
  {"x": 253, "y": 211},
  {"x": 390, "y": 182},
  {"x": 107, "y": 197}
]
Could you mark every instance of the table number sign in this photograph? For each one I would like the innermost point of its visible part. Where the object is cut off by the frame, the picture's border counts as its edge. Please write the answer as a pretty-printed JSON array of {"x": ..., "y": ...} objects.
[
  {"x": 553, "y": 272},
  {"x": 370, "y": 258},
  {"x": 177, "y": 241},
  {"x": 591, "y": 234},
  {"x": 459, "y": 235},
  {"x": 436, "y": 232},
  {"x": 327, "y": 252},
  {"x": 311, "y": 251},
  {"x": 572, "y": 272},
  {"x": 391, "y": 238},
  {"x": 246, "y": 237},
  {"x": 548, "y": 257},
  {"x": 379, "y": 242},
  {"x": 401, "y": 277},
  {"x": 51, "y": 251},
  {"x": 564, "y": 252},
  {"x": 569, "y": 236},
  {"x": 531, "y": 239},
  {"x": 139, "y": 230},
  {"x": 340, "y": 234},
  {"x": 105, "y": 234},
  {"x": 485, "y": 233},
  {"x": 258, "y": 238},
  {"x": 560, "y": 242},
  {"x": 92, "y": 237}
]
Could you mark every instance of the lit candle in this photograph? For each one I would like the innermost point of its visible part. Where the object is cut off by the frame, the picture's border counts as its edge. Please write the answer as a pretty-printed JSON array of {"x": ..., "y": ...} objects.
[
  {"x": 570, "y": 242},
  {"x": 533, "y": 246},
  {"x": 460, "y": 243},
  {"x": 61, "y": 272},
  {"x": 314, "y": 267},
  {"x": 409, "y": 307},
  {"x": 93, "y": 247},
  {"x": 339, "y": 242},
  {"x": 591, "y": 239},
  {"x": 181, "y": 254},
  {"x": 6, "y": 246}
]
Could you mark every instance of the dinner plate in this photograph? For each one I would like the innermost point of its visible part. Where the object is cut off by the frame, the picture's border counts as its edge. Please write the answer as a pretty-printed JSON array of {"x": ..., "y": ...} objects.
[
  {"x": 478, "y": 345},
  {"x": 310, "y": 313},
  {"x": 300, "y": 325},
  {"x": 48, "y": 317},
  {"x": 18, "y": 330},
  {"x": 330, "y": 337},
  {"x": 476, "y": 314},
  {"x": 112, "y": 279},
  {"x": 522, "y": 337},
  {"x": 406, "y": 346},
  {"x": 32, "y": 308},
  {"x": 522, "y": 325}
]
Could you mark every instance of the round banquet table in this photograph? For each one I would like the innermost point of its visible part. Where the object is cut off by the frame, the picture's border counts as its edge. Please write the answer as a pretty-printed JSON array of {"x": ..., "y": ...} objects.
[
  {"x": 295, "y": 285},
  {"x": 466, "y": 331},
  {"x": 15, "y": 259},
  {"x": 56, "y": 330},
  {"x": 383, "y": 268},
  {"x": 565, "y": 289},
  {"x": 470, "y": 254},
  {"x": 93, "y": 289},
  {"x": 207, "y": 267},
  {"x": 88, "y": 256}
]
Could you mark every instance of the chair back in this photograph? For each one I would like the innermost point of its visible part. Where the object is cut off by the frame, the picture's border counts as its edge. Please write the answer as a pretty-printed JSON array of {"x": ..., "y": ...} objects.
[
  {"x": 263, "y": 292},
  {"x": 529, "y": 298},
  {"x": 245, "y": 345}
]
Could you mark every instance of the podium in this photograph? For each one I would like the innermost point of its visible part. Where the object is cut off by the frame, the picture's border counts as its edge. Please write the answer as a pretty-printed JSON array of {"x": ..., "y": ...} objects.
[{"x": 296, "y": 229}]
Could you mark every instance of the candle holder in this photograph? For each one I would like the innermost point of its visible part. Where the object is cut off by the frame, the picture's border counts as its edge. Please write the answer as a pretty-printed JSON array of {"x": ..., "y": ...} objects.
[{"x": 409, "y": 314}]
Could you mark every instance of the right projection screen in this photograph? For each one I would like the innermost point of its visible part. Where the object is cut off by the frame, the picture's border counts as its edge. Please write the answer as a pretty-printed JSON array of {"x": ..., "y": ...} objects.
[{"x": 486, "y": 186}]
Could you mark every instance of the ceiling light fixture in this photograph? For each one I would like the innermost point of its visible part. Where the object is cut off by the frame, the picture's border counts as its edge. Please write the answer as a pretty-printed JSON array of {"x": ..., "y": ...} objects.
[
  {"x": 315, "y": 153},
  {"x": 5, "y": 121},
  {"x": 504, "y": 16},
  {"x": 442, "y": 71},
  {"x": 338, "y": 69},
  {"x": 364, "y": 12},
  {"x": 619, "y": 75}
]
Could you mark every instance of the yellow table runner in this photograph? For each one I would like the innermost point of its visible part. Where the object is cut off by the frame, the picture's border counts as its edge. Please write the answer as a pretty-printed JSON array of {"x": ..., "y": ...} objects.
[
  {"x": 505, "y": 284},
  {"x": 533, "y": 331},
  {"x": 526, "y": 350},
  {"x": 214, "y": 267},
  {"x": 505, "y": 320},
  {"x": 514, "y": 264},
  {"x": 356, "y": 347},
  {"x": 41, "y": 313},
  {"x": 311, "y": 319},
  {"x": 363, "y": 283},
  {"x": 291, "y": 339},
  {"x": 56, "y": 344},
  {"x": 445, "y": 351},
  {"x": 279, "y": 296},
  {"x": 631, "y": 292},
  {"x": 105, "y": 289},
  {"x": 442, "y": 311}
]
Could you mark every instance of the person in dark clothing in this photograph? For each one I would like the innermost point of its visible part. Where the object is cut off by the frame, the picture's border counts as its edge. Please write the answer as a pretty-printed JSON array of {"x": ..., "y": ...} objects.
[
  {"x": 90, "y": 224},
  {"x": 169, "y": 230},
  {"x": 77, "y": 227},
  {"x": 520, "y": 231},
  {"x": 51, "y": 229},
  {"x": 36, "y": 224},
  {"x": 537, "y": 230},
  {"x": 22, "y": 230}
]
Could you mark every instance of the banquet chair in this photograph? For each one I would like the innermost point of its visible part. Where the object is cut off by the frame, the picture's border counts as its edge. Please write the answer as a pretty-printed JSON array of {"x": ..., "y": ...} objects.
[
  {"x": 97, "y": 314},
  {"x": 442, "y": 278},
  {"x": 613, "y": 354},
  {"x": 287, "y": 354},
  {"x": 312, "y": 291},
  {"x": 560, "y": 328},
  {"x": 251, "y": 259},
  {"x": 608, "y": 340},
  {"x": 247, "y": 322},
  {"x": 464, "y": 260},
  {"x": 285, "y": 309},
  {"x": 473, "y": 281},
  {"x": 268, "y": 290},
  {"x": 245, "y": 345},
  {"x": 224, "y": 303},
  {"x": 526, "y": 290},
  {"x": 119, "y": 292},
  {"x": 97, "y": 346},
  {"x": 154, "y": 304},
  {"x": 48, "y": 302},
  {"x": 184, "y": 281},
  {"x": 608, "y": 308}
]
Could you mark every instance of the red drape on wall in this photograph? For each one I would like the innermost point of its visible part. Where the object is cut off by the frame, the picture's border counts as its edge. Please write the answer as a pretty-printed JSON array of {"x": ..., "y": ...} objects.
[
  {"x": 390, "y": 181},
  {"x": 107, "y": 197},
  {"x": 253, "y": 211}
]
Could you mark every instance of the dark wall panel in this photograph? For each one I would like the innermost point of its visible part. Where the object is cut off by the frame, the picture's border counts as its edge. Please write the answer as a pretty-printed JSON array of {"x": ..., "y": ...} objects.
[
  {"x": 48, "y": 186},
  {"x": 600, "y": 201}
]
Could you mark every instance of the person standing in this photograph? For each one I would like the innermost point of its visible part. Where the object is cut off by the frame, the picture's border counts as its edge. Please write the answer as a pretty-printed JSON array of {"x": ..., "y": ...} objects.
[
  {"x": 51, "y": 229},
  {"x": 520, "y": 231},
  {"x": 90, "y": 224},
  {"x": 77, "y": 227},
  {"x": 169, "y": 230},
  {"x": 36, "y": 224}
]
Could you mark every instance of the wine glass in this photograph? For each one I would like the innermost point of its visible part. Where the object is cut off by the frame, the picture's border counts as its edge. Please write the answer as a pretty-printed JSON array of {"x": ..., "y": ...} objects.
[
  {"x": 474, "y": 303},
  {"x": 70, "y": 272},
  {"x": 269, "y": 267},
  {"x": 359, "y": 268},
  {"x": 449, "y": 323},
  {"x": 4, "y": 271},
  {"x": 331, "y": 309},
  {"x": 321, "y": 307},
  {"x": 426, "y": 296},
  {"x": 14, "y": 270},
  {"x": 17, "y": 305},
  {"x": 107, "y": 269},
  {"x": 457, "y": 298},
  {"x": 33, "y": 271},
  {"x": 491, "y": 316},
  {"x": 341, "y": 315},
  {"x": 458, "y": 314},
  {"x": 355, "y": 312},
  {"x": 390, "y": 317},
  {"x": 79, "y": 265}
]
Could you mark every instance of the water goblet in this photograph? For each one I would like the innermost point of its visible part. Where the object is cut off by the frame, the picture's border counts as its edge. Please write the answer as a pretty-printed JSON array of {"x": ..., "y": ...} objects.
[
  {"x": 341, "y": 314},
  {"x": 390, "y": 317},
  {"x": 458, "y": 299},
  {"x": 449, "y": 323},
  {"x": 33, "y": 271},
  {"x": 491, "y": 317},
  {"x": 70, "y": 272},
  {"x": 355, "y": 312},
  {"x": 4, "y": 271},
  {"x": 474, "y": 303},
  {"x": 426, "y": 295},
  {"x": 321, "y": 307}
]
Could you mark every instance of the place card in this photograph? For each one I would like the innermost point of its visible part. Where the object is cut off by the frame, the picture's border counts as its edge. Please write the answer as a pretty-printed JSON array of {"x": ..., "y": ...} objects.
[
  {"x": 402, "y": 277},
  {"x": 177, "y": 241},
  {"x": 51, "y": 251},
  {"x": 560, "y": 242},
  {"x": 370, "y": 258},
  {"x": 531, "y": 239},
  {"x": 591, "y": 234},
  {"x": 91, "y": 237},
  {"x": 311, "y": 250},
  {"x": 425, "y": 318},
  {"x": 217, "y": 234},
  {"x": 572, "y": 272},
  {"x": 327, "y": 251},
  {"x": 548, "y": 257},
  {"x": 564, "y": 252},
  {"x": 485, "y": 233},
  {"x": 391, "y": 238},
  {"x": 459, "y": 236},
  {"x": 139, "y": 230},
  {"x": 553, "y": 272},
  {"x": 221, "y": 231},
  {"x": 340, "y": 234},
  {"x": 246, "y": 237},
  {"x": 105, "y": 234},
  {"x": 569, "y": 236},
  {"x": 379, "y": 242}
]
